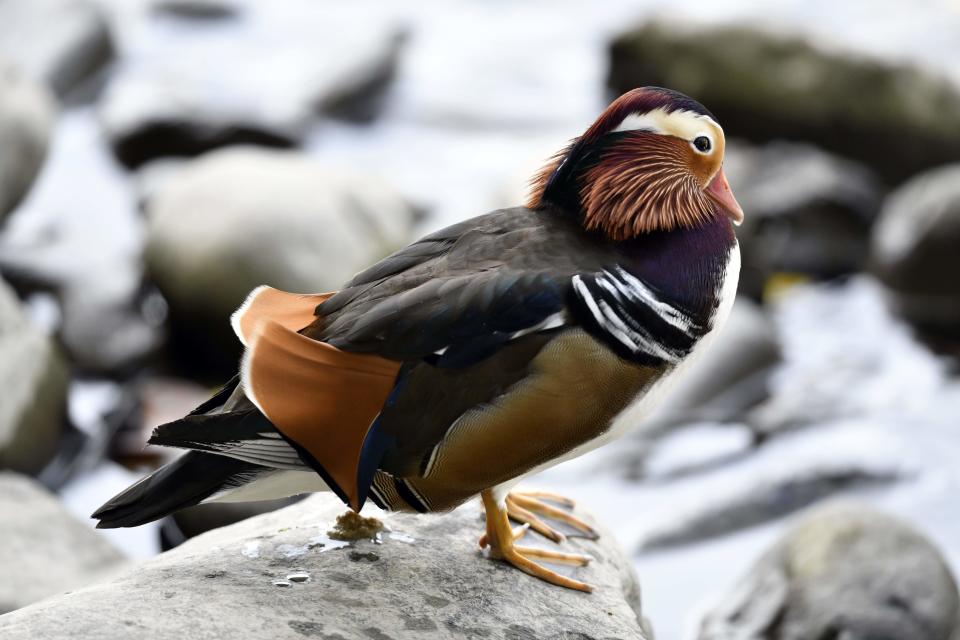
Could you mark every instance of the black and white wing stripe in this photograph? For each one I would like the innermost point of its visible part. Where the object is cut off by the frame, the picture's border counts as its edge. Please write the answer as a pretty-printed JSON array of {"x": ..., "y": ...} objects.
[{"x": 620, "y": 309}]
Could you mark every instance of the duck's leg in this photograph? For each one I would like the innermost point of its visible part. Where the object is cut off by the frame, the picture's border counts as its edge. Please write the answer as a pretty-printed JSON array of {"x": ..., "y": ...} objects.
[{"x": 501, "y": 540}]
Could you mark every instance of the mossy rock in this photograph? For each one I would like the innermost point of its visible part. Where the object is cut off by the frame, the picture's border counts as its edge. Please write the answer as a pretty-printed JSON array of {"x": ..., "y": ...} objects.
[{"x": 896, "y": 119}]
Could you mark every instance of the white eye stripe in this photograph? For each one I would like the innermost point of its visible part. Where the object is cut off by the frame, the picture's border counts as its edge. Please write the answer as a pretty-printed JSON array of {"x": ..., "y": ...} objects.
[
  {"x": 641, "y": 122},
  {"x": 687, "y": 125}
]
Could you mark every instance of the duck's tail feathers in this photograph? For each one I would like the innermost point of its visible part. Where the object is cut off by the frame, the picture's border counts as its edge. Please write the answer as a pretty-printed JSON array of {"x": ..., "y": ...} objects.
[{"x": 188, "y": 480}]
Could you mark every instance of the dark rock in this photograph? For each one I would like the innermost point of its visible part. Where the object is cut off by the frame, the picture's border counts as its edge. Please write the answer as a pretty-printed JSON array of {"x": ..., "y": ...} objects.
[
  {"x": 239, "y": 218},
  {"x": 60, "y": 42},
  {"x": 108, "y": 323},
  {"x": 34, "y": 381},
  {"x": 197, "y": 9},
  {"x": 842, "y": 572},
  {"x": 763, "y": 501},
  {"x": 43, "y": 549},
  {"x": 263, "y": 86},
  {"x": 808, "y": 213},
  {"x": 277, "y": 574},
  {"x": 895, "y": 119},
  {"x": 27, "y": 113},
  {"x": 915, "y": 250}
]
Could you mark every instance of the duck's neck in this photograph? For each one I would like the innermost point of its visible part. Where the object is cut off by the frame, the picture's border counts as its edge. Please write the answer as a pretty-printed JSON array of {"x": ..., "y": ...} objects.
[
  {"x": 661, "y": 294},
  {"x": 686, "y": 267}
]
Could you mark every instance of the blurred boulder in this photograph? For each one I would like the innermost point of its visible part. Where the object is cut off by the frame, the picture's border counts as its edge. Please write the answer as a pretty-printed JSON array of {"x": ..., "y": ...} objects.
[
  {"x": 27, "y": 113},
  {"x": 842, "y": 572},
  {"x": 44, "y": 550},
  {"x": 60, "y": 42},
  {"x": 722, "y": 386},
  {"x": 764, "y": 499},
  {"x": 808, "y": 212},
  {"x": 106, "y": 320},
  {"x": 238, "y": 218},
  {"x": 895, "y": 119},
  {"x": 730, "y": 377},
  {"x": 197, "y": 9},
  {"x": 916, "y": 250},
  {"x": 280, "y": 576},
  {"x": 33, "y": 378},
  {"x": 77, "y": 239},
  {"x": 262, "y": 85}
]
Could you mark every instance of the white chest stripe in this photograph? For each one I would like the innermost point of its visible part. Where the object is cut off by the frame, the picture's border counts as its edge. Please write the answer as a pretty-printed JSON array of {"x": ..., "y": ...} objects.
[
  {"x": 635, "y": 340},
  {"x": 642, "y": 293}
]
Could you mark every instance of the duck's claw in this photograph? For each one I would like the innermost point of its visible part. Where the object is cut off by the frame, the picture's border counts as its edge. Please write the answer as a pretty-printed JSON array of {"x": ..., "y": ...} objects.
[
  {"x": 524, "y": 506},
  {"x": 500, "y": 542}
]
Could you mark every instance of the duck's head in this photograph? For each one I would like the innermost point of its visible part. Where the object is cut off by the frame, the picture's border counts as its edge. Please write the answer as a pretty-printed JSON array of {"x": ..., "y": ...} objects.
[{"x": 652, "y": 161}]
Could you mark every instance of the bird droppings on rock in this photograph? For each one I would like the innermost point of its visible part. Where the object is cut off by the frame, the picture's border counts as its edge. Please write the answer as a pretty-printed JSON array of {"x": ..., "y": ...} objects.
[
  {"x": 352, "y": 526},
  {"x": 399, "y": 536},
  {"x": 251, "y": 549},
  {"x": 299, "y": 576},
  {"x": 292, "y": 550},
  {"x": 326, "y": 543}
]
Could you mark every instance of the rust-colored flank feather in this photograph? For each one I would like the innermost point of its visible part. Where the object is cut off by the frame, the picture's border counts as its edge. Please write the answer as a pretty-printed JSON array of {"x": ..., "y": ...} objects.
[{"x": 316, "y": 395}]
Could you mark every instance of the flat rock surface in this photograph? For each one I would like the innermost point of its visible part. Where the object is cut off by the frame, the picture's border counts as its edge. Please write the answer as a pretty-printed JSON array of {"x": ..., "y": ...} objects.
[
  {"x": 43, "y": 549},
  {"x": 280, "y": 576}
]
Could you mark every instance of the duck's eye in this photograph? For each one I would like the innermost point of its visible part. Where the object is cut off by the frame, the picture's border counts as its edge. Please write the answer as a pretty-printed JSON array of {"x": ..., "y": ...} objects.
[{"x": 702, "y": 144}]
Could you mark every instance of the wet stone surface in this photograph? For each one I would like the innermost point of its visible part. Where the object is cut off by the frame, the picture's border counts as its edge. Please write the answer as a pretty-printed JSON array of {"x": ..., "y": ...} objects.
[{"x": 427, "y": 582}]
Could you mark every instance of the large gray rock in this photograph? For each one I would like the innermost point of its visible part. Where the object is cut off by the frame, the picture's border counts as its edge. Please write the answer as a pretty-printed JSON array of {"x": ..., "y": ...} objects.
[
  {"x": 808, "y": 212},
  {"x": 843, "y": 572},
  {"x": 60, "y": 42},
  {"x": 27, "y": 113},
  {"x": 915, "y": 250},
  {"x": 261, "y": 82},
  {"x": 424, "y": 578},
  {"x": 33, "y": 378},
  {"x": 238, "y": 218},
  {"x": 765, "y": 87},
  {"x": 43, "y": 549}
]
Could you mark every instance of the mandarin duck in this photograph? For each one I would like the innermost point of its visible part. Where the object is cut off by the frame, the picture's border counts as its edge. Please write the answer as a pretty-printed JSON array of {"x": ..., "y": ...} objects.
[{"x": 484, "y": 352}]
